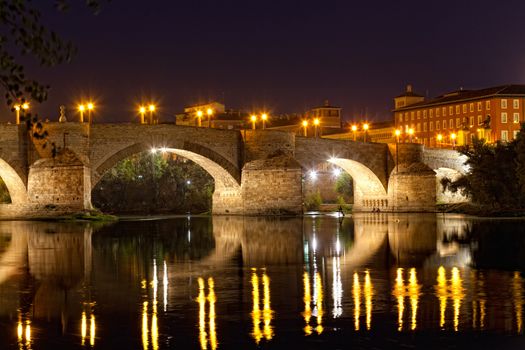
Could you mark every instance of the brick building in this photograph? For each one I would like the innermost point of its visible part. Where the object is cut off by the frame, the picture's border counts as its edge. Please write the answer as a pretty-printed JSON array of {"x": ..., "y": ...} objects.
[{"x": 494, "y": 114}]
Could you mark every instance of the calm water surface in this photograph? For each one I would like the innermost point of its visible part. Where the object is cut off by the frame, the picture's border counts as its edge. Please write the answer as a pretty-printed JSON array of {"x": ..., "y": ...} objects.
[{"x": 374, "y": 280}]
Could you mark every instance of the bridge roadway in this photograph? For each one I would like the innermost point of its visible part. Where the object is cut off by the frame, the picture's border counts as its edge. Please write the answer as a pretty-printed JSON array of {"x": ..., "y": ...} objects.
[{"x": 255, "y": 171}]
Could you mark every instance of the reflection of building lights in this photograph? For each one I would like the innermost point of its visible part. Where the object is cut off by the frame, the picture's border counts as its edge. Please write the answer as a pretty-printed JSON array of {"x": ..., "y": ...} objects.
[
  {"x": 457, "y": 294},
  {"x": 92, "y": 330},
  {"x": 165, "y": 286},
  {"x": 517, "y": 289},
  {"x": 368, "y": 291},
  {"x": 453, "y": 291},
  {"x": 211, "y": 300},
  {"x": 402, "y": 291},
  {"x": 267, "y": 311},
  {"x": 256, "y": 312},
  {"x": 23, "y": 334},
  {"x": 145, "y": 328},
  {"x": 201, "y": 299},
  {"x": 307, "y": 314},
  {"x": 83, "y": 328},
  {"x": 413, "y": 292},
  {"x": 318, "y": 311},
  {"x": 441, "y": 291},
  {"x": 356, "y": 291},
  {"x": 399, "y": 293}
]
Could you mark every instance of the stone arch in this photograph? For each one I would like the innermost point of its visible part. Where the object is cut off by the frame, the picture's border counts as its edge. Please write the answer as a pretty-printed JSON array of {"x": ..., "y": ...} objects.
[
  {"x": 369, "y": 191},
  {"x": 223, "y": 172},
  {"x": 447, "y": 197},
  {"x": 15, "y": 185}
]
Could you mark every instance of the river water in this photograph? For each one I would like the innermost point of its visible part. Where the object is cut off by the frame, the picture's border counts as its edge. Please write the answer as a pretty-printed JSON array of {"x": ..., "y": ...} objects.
[{"x": 322, "y": 282}]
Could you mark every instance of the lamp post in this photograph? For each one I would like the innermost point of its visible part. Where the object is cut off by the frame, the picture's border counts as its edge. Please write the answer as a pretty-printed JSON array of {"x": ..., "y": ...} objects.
[
  {"x": 439, "y": 139},
  {"x": 398, "y": 132},
  {"x": 411, "y": 133},
  {"x": 264, "y": 117},
  {"x": 253, "y": 118},
  {"x": 209, "y": 111},
  {"x": 17, "y": 111},
  {"x": 151, "y": 109},
  {"x": 199, "y": 118},
  {"x": 142, "y": 112},
  {"x": 316, "y": 124},
  {"x": 90, "y": 107},
  {"x": 305, "y": 128},
  {"x": 354, "y": 131},
  {"x": 365, "y": 128},
  {"x": 81, "y": 109},
  {"x": 453, "y": 138}
]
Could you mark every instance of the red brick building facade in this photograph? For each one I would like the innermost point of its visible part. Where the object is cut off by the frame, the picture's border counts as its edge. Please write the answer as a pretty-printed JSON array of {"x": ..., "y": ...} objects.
[{"x": 494, "y": 114}]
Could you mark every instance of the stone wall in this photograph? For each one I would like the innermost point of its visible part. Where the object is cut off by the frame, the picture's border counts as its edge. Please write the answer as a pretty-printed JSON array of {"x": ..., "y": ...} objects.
[
  {"x": 412, "y": 189},
  {"x": 262, "y": 144}
]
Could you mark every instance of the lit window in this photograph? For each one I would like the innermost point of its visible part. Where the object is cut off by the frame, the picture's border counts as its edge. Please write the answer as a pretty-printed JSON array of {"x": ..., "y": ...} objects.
[
  {"x": 411, "y": 115},
  {"x": 401, "y": 117},
  {"x": 480, "y": 120},
  {"x": 451, "y": 123},
  {"x": 458, "y": 122},
  {"x": 444, "y": 111},
  {"x": 406, "y": 117},
  {"x": 515, "y": 104},
  {"x": 431, "y": 113},
  {"x": 444, "y": 124},
  {"x": 471, "y": 121},
  {"x": 418, "y": 127},
  {"x": 516, "y": 118},
  {"x": 504, "y": 135},
  {"x": 418, "y": 114},
  {"x": 464, "y": 108},
  {"x": 479, "y": 106},
  {"x": 457, "y": 109},
  {"x": 432, "y": 126},
  {"x": 471, "y": 107},
  {"x": 425, "y": 114},
  {"x": 503, "y": 117},
  {"x": 503, "y": 103},
  {"x": 425, "y": 126},
  {"x": 515, "y": 134},
  {"x": 487, "y": 105},
  {"x": 451, "y": 110},
  {"x": 437, "y": 112},
  {"x": 437, "y": 124}
]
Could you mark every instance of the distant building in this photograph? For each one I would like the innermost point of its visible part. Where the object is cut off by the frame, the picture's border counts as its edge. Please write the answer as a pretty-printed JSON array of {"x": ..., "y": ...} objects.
[
  {"x": 329, "y": 116},
  {"x": 380, "y": 132},
  {"x": 221, "y": 118},
  {"x": 494, "y": 114}
]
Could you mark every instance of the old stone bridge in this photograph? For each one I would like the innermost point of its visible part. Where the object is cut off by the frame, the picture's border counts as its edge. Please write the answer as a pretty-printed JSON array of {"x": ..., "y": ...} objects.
[{"x": 255, "y": 171}]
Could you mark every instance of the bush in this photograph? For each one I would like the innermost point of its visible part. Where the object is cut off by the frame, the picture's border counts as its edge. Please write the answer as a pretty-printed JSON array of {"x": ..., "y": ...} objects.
[{"x": 313, "y": 201}]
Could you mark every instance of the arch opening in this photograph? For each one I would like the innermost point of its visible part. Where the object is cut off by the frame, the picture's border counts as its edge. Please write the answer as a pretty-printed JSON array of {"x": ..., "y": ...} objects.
[
  {"x": 16, "y": 189},
  {"x": 184, "y": 181}
]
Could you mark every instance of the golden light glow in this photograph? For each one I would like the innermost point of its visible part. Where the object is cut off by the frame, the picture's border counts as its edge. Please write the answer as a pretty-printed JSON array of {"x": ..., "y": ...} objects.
[
  {"x": 253, "y": 118},
  {"x": 145, "y": 328},
  {"x": 439, "y": 137},
  {"x": 20, "y": 331},
  {"x": 83, "y": 328},
  {"x": 453, "y": 136},
  {"x": 267, "y": 313},
  {"x": 152, "y": 108},
  {"x": 209, "y": 111},
  {"x": 267, "y": 310},
  {"x": 441, "y": 292},
  {"x": 457, "y": 295},
  {"x": 81, "y": 108},
  {"x": 211, "y": 300},
  {"x": 413, "y": 292},
  {"x": 23, "y": 333},
  {"x": 165, "y": 287},
  {"x": 316, "y": 121},
  {"x": 399, "y": 293},
  {"x": 256, "y": 312},
  {"x": 478, "y": 301},
  {"x": 319, "y": 311},
  {"x": 264, "y": 116},
  {"x": 354, "y": 128},
  {"x": 517, "y": 291},
  {"x": 307, "y": 314},
  {"x": 201, "y": 299},
  {"x": 28, "y": 334},
  {"x": 90, "y": 106},
  {"x": 368, "y": 291},
  {"x": 92, "y": 330},
  {"x": 398, "y": 132},
  {"x": 142, "y": 109},
  {"x": 25, "y": 105},
  {"x": 199, "y": 113},
  {"x": 411, "y": 132},
  {"x": 17, "y": 108},
  {"x": 356, "y": 291},
  {"x": 366, "y": 126},
  {"x": 305, "y": 123}
]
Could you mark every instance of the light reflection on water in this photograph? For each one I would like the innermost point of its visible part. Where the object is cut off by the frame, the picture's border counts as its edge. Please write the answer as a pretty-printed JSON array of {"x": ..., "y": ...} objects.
[{"x": 371, "y": 273}]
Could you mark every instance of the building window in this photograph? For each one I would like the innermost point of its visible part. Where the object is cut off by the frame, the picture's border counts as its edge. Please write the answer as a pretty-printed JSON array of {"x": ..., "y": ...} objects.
[
  {"x": 444, "y": 110},
  {"x": 437, "y": 112},
  {"x": 444, "y": 124},
  {"x": 451, "y": 123},
  {"x": 458, "y": 122},
  {"x": 451, "y": 110},
  {"x": 503, "y": 117},
  {"x": 418, "y": 127},
  {"x": 464, "y": 108},
  {"x": 516, "y": 118},
  {"x": 401, "y": 117},
  {"x": 515, "y": 134},
  {"x": 437, "y": 124},
  {"x": 480, "y": 120},
  {"x": 431, "y": 112},
  {"x": 406, "y": 117},
  {"x": 487, "y": 105},
  {"x": 411, "y": 115},
  {"x": 432, "y": 126},
  {"x": 479, "y": 106},
  {"x": 503, "y": 103},
  {"x": 418, "y": 114},
  {"x": 471, "y": 121},
  {"x": 425, "y": 126},
  {"x": 515, "y": 104},
  {"x": 504, "y": 135},
  {"x": 457, "y": 109},
  {"x": 471, "y": 107},
  {"x": 425, "y": 114}
]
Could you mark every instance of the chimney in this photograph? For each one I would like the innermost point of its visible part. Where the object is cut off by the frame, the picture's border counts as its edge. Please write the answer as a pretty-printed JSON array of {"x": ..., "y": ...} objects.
[{"x": 409, "y": 88}]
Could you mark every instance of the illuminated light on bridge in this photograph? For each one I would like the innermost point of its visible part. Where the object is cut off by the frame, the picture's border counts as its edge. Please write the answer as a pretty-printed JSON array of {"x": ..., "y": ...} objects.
[
  {"x": 336, "y": 172},
  {"x": 313, "y": 175}
]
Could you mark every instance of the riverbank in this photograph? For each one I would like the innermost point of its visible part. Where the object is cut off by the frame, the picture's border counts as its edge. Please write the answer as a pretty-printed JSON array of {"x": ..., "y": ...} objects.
[{"x": 479, "y": 211}]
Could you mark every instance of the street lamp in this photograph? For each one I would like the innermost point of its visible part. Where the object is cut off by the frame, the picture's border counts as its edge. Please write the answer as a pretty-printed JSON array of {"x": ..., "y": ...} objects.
[
  {"x": 90, "y": 107},
  {"x": 209, "y": 111},
  {"x": 365, "y": 128},
  {"x": 25, "y": 105},
  {"x": 151, "y": 109},
  {"x": 264, "y": 117},
  {"x": 411, "y": 133},
  {"x": 397, "y": 132},
  {"x": 81, "y": 109},
  {"x": 199, "y": 118},
  {"x": 253, "y": 118},
  {"x": 453, "y": 138},
  {"x": 305, "y": 128},
  {"x": 142, "y": 111},
  {"x": 316, "y": 124},
  {"x": 354, "y": 130},
  {"x": 439, "y": 138}
]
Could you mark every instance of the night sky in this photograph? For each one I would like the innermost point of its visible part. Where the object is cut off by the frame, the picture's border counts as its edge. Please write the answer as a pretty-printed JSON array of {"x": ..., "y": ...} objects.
[{"x": 283, "y": 56}]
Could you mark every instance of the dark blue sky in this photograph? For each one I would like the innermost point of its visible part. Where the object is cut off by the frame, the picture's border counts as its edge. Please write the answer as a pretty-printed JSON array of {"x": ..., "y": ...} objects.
[{"x": 285, "y": 56}]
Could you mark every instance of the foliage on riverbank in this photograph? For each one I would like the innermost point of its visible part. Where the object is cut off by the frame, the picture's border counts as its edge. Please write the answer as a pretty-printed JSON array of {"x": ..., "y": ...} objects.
[{"x": 495, "y": 181}]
